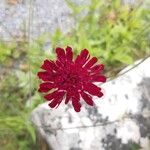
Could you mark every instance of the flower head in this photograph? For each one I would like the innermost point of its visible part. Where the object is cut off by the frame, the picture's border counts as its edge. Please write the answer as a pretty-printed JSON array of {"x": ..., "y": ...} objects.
[{"x": 69, "y": 80}]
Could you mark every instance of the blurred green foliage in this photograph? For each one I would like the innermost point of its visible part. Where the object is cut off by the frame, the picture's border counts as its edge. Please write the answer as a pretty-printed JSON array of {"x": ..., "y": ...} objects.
[
  {"x": 18, "y": 96},
  {"x": 117, "y": 34}
]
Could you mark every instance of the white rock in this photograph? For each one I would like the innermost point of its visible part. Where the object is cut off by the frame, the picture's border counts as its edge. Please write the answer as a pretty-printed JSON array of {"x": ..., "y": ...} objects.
[{"x": 120, "y": 118}]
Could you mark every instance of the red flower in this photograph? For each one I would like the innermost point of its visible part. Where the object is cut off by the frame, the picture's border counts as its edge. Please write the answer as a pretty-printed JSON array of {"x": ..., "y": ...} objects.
[{"x": 71, "y": 79}]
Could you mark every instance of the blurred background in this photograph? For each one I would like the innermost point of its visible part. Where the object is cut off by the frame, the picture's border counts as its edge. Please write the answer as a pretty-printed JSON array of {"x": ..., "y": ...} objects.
[{"x": 116, "y": 31}]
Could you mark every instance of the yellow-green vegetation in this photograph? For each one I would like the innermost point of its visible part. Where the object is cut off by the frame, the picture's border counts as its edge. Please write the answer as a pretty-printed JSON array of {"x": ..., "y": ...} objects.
[{"x": 117, "y": 34}]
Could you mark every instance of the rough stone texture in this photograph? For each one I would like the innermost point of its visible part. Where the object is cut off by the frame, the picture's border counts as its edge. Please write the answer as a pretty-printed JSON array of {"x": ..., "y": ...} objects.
[
  {"x": 20, "y": 17},
  {"x": 44, "y": 16},
  {"x": 120, "y": 120}
]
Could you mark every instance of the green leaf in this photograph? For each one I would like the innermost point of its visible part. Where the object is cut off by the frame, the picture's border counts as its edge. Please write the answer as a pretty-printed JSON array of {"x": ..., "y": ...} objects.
[
  {"x": 134, "y": 146},
  {"x": 74, "y": 7},
  {"x": 126, "y": 59},
  {"x": 56, "y": 37},
  {"x": 31, "y": 131}
]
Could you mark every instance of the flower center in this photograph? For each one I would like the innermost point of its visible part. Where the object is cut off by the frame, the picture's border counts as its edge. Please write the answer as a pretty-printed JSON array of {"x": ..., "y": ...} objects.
[{"x": 70, "y": 80}]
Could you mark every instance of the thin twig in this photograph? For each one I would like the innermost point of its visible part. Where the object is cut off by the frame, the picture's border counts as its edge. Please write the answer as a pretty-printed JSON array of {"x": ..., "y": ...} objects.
[
  {"x": 89, "y": 126},
  {"x": 29, "y": 42},
  {"x": 79, "y": 127}
]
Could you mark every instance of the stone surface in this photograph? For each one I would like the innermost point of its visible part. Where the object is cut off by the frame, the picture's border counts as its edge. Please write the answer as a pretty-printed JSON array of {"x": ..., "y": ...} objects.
[
  {"x": 16, "y": 16},
  {"x": 118, "y": 121}
]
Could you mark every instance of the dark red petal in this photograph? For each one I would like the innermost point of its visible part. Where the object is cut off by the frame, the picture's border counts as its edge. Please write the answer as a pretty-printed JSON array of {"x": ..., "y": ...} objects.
[
  {"x": 91, "y": 62},
  {"x": 69, "y": 53},
  {"x": 68, "y": 96},
  {"x": 53, "y": 103},
  {"x": 84, "y": 54},
  {"x": 45, "y": 87},
  {"x": 99, "y": 79},
  {"x": 51, "y": 95},
  {"x": 60, "y": 54},
  {"x": 49, "y": 65},
  {"x": 78, "y": 59},
  {"x": 92, "y": 89},
  {"x": 75, "y": 94},
  {"x": 87, "y": 98},
  {"x": 57, "y": 100},
  {"x": 45, "y": 76},
  {"x": 101, "y": 94},
  {"x": 59, "y": 64},
  {"x": 76, "y": 104},
  {"x": 97, "y": 68},
  {"x": 83, "y": 57}
]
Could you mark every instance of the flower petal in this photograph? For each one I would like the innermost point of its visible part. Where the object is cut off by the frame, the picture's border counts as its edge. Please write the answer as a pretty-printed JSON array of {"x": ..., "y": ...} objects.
[
  {"x": 60, "y": 54},
  {"x": 87, "y": 98},
  {"x": 45, "y": 87},
  {"x": 51, "y": 95},
  {"x": 92, "y": 89},
  {"x": 76, "y": 104},
  {"x": 69, "y": 53},
  {"x": 48, "y": 65},
  {"x": 91, "y": 62},
  {"x": 83, "y": 57},
  {"x": 97, "y": 68},
  {"x": 68, "y": 96},
  {"x": 57, "y": 100},
  {"x": 45, "y": 76},
  {"x": 99, "y": 79},
  {"x": 59, "y": 64},
  {"x": 53, "y": 103},
  {"x": 84, "y": 54}
]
